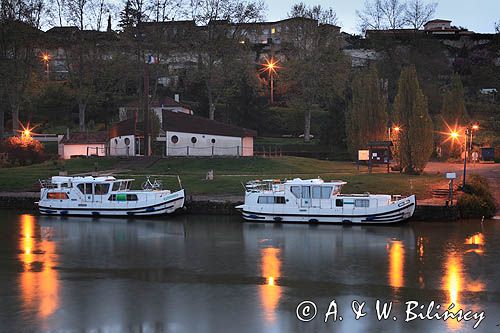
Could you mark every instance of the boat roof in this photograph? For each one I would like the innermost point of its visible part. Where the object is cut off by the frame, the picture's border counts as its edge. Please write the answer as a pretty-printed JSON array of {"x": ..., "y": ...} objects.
[
  {"x": 85, "y": 179},
  {"x": 314, "y": 181}
]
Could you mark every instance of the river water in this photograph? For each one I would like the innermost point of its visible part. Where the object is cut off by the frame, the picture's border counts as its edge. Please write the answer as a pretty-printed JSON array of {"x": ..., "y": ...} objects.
[{"x": 218, "y": 274}]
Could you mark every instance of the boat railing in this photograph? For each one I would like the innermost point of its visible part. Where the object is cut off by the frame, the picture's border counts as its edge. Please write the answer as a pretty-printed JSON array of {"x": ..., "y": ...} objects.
[{"x": 47, "y": 183}]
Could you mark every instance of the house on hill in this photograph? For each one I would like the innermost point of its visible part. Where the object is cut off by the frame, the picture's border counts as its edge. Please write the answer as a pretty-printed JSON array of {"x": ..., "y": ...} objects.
[
  {"x": 158, "y": 105},
  {"x": 188, "y": 135}
]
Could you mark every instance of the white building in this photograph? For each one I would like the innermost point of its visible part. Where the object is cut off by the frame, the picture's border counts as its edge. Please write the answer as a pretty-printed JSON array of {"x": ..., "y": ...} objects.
[
  {"x": 83, "y": 144},
  {"x": 187, "y": 135}
]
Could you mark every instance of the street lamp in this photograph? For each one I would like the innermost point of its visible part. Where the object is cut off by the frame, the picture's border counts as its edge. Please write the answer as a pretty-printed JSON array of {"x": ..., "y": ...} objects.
[
  {"x": 271, "y": 66},
  {"x": 46, "y": 59},
  {"x": 474, "y": 127},
  {"x": 454, "y": 135}
]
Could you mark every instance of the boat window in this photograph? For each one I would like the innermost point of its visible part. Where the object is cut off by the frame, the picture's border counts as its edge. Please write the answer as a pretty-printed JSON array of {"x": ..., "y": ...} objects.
[
  {"x": 295, "y": 191},
  {"x": 132, "y": 197},
  {"x": 339, "y": 203},
  {"x": 57, "y": 196},
  {"x": 101, "y": 189},
  {"x": 316, "y": 192},
  {"x": 116, "y": 186},
  {"x": 123, "y": 186},
  {"x": 85, "y": 188},
  {"x": 279, "y": 200},
  {"x": 306, "y": 192},
  {"x": 326, "y": 192},
  {"x": 265, "y": 200},
  {"x": 362, "y": 203}
]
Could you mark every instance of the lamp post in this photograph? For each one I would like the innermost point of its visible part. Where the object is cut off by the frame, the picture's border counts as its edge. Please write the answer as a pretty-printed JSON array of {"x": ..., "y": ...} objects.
[
  {"x": 468, "y": 131},
  {"x": 474, "y": 127},
  {"x": 271, "y": 66},
  {"x": 46, "y": 59}
]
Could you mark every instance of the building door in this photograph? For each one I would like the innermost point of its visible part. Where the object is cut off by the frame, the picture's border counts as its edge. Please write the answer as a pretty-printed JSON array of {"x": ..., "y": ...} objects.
[{"x": 306, "y": 197}]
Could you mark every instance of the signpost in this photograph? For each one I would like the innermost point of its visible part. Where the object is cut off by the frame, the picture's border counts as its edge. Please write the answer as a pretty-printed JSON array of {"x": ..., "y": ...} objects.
[
  {"x": 363, "y": 155},
  {"x": 451, "y": 176}
]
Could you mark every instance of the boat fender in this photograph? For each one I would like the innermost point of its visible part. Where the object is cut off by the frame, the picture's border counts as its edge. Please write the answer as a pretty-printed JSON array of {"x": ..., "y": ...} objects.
[
  {"x": 313, "y": 221},
  {"x": 347, "y": 221},
  {"x": 278, "y": 219}
]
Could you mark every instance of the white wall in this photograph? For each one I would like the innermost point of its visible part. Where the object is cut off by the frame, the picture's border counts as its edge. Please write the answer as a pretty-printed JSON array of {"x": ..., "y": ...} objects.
[
  {"x": 118, "y": 146},
  {"x": 223, "y": 145},
  {"x": 71, "y": 150}
]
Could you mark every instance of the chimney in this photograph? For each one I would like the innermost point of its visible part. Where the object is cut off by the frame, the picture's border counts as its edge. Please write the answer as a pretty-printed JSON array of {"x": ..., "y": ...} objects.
[
  {"x": 67, "y": 133},
  {"x": 176, "y": 97}
]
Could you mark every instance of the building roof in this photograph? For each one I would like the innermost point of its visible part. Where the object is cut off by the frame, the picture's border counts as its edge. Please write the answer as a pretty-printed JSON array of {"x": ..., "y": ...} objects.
[
  {"x": 437, "y": 21},
  {"x": 181, "y": 122},
  {"x": 122, "y": 128},
  {"x": 81, "y": 138},
  {"x": 158, "y": 102}
]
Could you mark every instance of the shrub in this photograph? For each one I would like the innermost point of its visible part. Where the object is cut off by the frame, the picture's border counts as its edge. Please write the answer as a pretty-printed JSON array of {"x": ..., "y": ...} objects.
[
  {"x": 21, "y": 151},
  {"x": 477, "y": 201}
]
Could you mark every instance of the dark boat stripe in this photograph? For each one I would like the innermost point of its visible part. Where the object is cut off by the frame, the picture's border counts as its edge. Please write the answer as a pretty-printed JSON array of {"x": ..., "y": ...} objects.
[
  {"x": 381, "y": 215},
  {"x": 113, "y": 209}
]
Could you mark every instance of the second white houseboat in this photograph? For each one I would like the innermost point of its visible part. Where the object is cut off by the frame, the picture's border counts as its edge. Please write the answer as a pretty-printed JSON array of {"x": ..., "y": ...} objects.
[
  {"x": 317, "y": 201},
  {"x": 105, "y": 196}
]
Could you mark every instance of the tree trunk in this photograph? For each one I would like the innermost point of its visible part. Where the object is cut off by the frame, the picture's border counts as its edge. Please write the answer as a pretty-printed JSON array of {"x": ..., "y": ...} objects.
[
  {"x": 15, "y": 118},
  {"x": 211, "y": 105},
  {"x": 307, "y": 125},
  {"x": 82, "y": 106},
  {"x": 1, "y": 123}
]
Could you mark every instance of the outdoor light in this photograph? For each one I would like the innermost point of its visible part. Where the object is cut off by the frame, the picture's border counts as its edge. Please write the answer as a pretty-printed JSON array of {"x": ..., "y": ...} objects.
[
  {"x": 46, "y": 58},
  {"x": 475, "y": 127},
  {"x": 397, "y": 128},
  {"x": 270, "y": 66},
  {"x": 454, "y": 135}
]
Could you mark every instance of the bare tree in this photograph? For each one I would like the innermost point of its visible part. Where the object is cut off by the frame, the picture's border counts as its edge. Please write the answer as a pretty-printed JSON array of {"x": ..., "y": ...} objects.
[
  {"x": 417, "y": 13},
  {"x": 372, "y": 16},
  {"x": 322, "y": 15},
  {"x": 382, "y": 14},
  {"x": 394, "y": 11},
  {"x": 497, "y": 27}
]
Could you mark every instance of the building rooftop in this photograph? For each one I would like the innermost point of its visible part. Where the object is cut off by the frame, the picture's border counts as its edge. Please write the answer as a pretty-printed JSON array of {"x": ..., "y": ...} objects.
[
  {"x": 181, "y": 122},
  {"x": 80, "y": 138}
]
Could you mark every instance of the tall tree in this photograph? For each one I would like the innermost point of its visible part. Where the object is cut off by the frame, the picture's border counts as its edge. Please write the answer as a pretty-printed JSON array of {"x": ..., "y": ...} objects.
[
  {"x": 316, "y": 69},
  {"x": 454, "y": 111},
  {"x": 224, "y": 21},
  {"x": 367, "y": 117},
  {"x": 19, "y": 45},
  {"x": 410, "y": 112},
  {"x": 417, "y": 13}
]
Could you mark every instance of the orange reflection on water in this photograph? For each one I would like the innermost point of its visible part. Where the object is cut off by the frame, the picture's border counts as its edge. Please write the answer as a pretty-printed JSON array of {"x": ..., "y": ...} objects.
[
  {"x": 270, "y": 293},
  {"x": 452, "y": 282},
  {"x": 476, "y": 239},
  {"x": 38, "y": 281},
  {"x": 396, "y": 263}
]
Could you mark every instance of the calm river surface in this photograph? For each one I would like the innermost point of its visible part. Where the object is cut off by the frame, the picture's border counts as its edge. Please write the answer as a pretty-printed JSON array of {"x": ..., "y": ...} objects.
[{"x": 217, "y": 274}]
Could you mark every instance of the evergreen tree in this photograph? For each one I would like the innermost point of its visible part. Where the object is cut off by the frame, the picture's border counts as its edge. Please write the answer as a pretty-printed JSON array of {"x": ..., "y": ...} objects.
[
  {"x": 454, "y": 113},
  {"x": 415, "y": 140},
  {"x": 128, "y": 16},
  {"x": 453, "y": 110},
  {"x": 367, "y": 117}
]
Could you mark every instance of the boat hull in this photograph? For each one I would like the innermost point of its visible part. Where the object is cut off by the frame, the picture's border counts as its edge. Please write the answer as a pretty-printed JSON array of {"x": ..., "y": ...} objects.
[
  {"x": 171, "y": 204},
  {"x": 398, "y": 212}
]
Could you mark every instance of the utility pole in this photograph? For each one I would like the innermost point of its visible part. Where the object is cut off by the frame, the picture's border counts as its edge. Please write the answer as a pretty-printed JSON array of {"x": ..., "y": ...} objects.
[{"x": 147, "y": 131}]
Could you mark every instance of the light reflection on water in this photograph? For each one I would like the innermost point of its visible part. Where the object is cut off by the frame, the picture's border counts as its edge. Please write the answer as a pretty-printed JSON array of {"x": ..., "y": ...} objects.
[
  {"x": 270, "y": 292},
  {"x": 108, "y": 267},
  {"x": 38, "y": 280}
]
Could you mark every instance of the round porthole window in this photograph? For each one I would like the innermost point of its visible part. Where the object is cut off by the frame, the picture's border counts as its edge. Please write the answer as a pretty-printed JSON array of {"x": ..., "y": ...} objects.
[
  {"x": 127, "y": 141},
  {"x": 174, "y": 139},
  {"x": 213, "y": 140},
  {"x": 193, "y": 139}
]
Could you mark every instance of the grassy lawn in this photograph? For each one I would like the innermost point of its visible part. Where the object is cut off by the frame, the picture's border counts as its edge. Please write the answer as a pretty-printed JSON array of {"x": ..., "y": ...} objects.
[{"x": 229, "y": 173}]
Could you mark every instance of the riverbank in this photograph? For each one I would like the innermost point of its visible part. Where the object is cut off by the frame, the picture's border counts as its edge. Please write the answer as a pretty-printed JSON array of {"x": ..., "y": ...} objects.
[{"x": 223, "y": 205}]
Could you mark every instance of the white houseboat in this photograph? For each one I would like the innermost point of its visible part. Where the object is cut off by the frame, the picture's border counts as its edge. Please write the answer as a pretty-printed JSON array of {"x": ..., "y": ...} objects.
[
  {"x": 317, "y": 201},
  {"x": 105, "y": 196}
]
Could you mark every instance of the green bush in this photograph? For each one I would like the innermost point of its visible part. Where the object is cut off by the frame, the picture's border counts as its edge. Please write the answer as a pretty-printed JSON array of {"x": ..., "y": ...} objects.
[{"x": 477, "y": 201}]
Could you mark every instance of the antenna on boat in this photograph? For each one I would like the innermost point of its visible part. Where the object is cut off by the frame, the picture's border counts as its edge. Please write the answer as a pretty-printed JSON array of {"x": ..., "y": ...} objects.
[{"x": 179, "y": 180}]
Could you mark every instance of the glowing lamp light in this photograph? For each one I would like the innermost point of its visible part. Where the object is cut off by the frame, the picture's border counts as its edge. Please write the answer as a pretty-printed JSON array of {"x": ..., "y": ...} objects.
[
  {"x": 475, "y": 127},
  {"x": 454, "y": 135},
  {"x": 397, "y": 128}
]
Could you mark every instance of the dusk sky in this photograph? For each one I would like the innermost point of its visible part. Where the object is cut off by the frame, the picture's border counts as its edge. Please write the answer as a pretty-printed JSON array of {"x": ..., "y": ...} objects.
[{"x": 478, "y": 15}]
